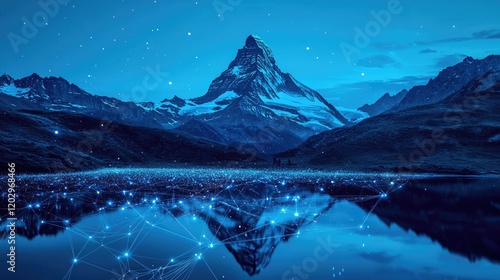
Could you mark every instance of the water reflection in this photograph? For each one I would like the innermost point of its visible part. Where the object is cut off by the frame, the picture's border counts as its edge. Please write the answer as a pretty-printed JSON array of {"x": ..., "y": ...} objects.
[
  {"x": 462, "y": 214},
  {"x": 251, "y": 216}
]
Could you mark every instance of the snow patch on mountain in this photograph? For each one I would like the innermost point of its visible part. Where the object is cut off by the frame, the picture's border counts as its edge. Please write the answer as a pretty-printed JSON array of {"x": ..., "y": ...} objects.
[
  {"x": 310, "y": 112},
  {"x": 352, "y": 115},
  {"x": 221, "y": 102},
  {"x": 236, "y": 70},
  {"x": 77, "y": 106},
  {"x": 11, "y": 89}
]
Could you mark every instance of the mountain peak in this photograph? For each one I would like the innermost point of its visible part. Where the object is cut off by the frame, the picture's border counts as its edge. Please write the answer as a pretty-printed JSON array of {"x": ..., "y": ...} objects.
[
  {"x": 254, "y": 41},
  {"x": 469, "y": 59},
  {"x": 255, "y": 45},
  {"x": 34, "y": 76},
  {"x": 6, "y": 79}
]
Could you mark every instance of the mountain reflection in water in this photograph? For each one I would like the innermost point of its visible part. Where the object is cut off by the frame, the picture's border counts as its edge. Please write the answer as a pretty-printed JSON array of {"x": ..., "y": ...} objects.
[{"x": 251, "y": 215}]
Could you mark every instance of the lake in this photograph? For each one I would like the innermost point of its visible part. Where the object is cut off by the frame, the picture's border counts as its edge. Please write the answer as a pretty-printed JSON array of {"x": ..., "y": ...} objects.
[{"x": 207, "y": 223}]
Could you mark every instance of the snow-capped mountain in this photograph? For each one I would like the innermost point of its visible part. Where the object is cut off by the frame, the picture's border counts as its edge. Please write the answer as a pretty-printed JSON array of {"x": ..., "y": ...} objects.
[
  {"x": 252, "y": 104},
  {"x": 254, "y": 93},
  {"x": 57, "y": 94},
  {"x": 447, "y": 82}
]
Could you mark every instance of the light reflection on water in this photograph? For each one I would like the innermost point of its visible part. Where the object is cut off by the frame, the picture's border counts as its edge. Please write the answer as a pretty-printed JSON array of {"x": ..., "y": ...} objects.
[{"x": 251, "y": 226}]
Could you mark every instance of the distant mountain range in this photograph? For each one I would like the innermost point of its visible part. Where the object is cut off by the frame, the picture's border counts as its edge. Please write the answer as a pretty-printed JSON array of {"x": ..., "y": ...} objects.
[
  {"x": 383, "y": 104},
  {"x": 459, "y": 134},
  {"x": 258, "y": 110},
  {"x": 447, "y": 82}
]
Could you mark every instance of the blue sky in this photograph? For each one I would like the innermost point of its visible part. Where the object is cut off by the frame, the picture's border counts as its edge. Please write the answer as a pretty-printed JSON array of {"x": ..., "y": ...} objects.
[{"x": 107, "y": 47}]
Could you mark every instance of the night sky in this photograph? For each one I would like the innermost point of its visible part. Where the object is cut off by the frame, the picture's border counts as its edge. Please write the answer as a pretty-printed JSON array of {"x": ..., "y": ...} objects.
[{"x": 107, "y": 47}]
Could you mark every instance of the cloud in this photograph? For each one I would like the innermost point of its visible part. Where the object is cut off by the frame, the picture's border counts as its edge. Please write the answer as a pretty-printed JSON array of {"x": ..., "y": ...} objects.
[
  {"x": 487, "y": 34},
  {"x": 378, "y": 61},
  {"x": 428, "y": 51},
  {"x": 449, "y": 60},
  {"x": 379, "y": 257},
  {"x": 480, "y": 35},
  {"x": 354, "y": 95},
  {"x": 387, "y": 85}
]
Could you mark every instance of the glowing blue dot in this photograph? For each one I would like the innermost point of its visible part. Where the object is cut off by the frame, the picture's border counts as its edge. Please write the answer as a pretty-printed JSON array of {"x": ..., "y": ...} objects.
[
  {"x": 296, "y": 214},
  {"x": 56, "y": 132},
  {"x": 75, "y": 260},
  {"x": 211, "y": 245}
]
